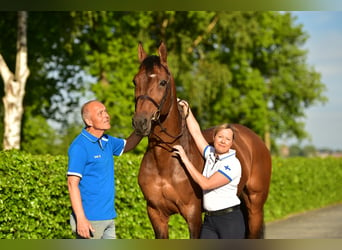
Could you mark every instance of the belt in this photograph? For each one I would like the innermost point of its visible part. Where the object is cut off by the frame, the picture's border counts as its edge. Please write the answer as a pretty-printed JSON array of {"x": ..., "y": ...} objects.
[{"x": 222, "y": 211}]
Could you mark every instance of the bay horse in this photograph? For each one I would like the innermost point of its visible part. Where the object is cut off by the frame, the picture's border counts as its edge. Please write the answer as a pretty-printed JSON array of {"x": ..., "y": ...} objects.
[{"x": 167, "y": 187}]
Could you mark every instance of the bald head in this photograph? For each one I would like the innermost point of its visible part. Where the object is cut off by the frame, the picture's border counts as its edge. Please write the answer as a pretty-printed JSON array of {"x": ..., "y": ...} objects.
[{"x": 85, "y": 111}]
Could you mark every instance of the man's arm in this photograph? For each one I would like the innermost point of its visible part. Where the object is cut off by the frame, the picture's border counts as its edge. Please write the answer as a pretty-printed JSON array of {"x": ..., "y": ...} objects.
[
  {"x": 83, "y": 226},
  {"x": 132, "y": 141}
]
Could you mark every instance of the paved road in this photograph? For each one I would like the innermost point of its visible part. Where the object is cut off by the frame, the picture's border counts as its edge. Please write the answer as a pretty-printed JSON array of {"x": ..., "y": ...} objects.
[{"x": 325, "y": 223}]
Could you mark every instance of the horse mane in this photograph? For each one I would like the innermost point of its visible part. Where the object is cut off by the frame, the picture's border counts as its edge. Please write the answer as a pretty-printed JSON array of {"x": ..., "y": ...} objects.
[{"x": 149, "y": 62}]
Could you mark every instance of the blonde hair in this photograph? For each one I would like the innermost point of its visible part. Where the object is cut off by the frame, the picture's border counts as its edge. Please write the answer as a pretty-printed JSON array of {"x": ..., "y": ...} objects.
[{"x": 225, "y": 126}]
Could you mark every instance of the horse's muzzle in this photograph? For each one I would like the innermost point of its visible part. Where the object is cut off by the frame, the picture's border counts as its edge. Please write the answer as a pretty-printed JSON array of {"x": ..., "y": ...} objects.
[{"x": 142, "y": 125}]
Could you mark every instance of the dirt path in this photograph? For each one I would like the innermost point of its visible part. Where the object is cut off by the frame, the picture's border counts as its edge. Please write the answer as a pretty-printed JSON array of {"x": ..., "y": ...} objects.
[{"x": 325, "y": 223}]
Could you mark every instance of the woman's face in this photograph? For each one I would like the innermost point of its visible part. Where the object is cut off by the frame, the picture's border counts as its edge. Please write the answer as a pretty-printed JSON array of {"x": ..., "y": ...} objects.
[{"x": 223, "y": 140}]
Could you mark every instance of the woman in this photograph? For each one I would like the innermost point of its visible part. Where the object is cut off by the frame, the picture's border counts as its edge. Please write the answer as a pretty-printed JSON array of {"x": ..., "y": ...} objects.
[{"x": 219, "y": 180}]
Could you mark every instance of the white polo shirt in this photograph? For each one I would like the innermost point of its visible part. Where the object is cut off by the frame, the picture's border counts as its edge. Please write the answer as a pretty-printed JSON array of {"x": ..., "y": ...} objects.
[{"x": 228, "y": 165}]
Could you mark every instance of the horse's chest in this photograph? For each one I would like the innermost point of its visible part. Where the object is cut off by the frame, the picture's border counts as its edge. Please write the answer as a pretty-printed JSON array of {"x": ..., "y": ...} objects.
[
  {"x": 167, "y": 169},
  {"x": 162, "y": 175}
]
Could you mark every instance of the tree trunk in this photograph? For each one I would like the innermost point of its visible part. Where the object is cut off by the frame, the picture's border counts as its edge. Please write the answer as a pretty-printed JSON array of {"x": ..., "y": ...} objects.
[{"x": 14, "y": 85}]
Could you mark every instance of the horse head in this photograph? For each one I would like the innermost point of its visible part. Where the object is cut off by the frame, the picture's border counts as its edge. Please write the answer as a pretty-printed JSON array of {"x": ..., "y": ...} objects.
[{"x": 154, "y": 91}]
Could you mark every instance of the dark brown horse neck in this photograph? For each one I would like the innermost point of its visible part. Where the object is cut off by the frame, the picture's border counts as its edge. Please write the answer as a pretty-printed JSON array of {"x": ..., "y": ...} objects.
[{"x": 169, "y": 128}]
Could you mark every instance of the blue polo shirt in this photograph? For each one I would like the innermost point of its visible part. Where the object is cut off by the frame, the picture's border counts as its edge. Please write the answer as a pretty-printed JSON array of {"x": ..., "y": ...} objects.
[{"x": 91, "y": 159}]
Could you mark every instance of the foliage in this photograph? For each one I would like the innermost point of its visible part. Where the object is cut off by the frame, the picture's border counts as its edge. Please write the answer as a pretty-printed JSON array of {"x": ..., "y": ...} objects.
[
  {"x": 130, "y": 203},
  {"x": 34, "y": 201},
  {"x": 299, "y": 184},
  {"x": 253, "y": 73},
  {"x": 50, "y": 57},
  {"x": 109, "y": 41},
  {"x": 242, "y": 67},
  {"x": 297, "y": 150},
  {"x": 56, "y": 82},
  {"x": 38, "y": 135}
]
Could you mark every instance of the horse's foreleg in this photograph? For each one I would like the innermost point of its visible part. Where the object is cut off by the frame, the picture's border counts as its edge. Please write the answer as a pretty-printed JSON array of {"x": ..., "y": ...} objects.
[
  {"x": 159, "y": 223},
  {"x": 195, "y": 225},
  {"x": 193, "y": 218}
]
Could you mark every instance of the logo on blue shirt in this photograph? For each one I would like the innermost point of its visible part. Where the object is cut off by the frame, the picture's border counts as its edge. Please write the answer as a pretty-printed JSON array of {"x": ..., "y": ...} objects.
[{"x": 97, "y": 156}]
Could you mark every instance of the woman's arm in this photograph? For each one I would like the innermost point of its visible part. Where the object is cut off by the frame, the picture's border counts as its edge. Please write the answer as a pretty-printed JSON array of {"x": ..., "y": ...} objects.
[
  {"x": 194, "y": 127},
  {"x": 214, "y": 181}
]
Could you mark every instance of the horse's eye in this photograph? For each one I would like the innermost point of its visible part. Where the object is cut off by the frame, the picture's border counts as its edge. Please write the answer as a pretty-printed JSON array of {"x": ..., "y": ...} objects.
[
  {"x": 134, "y": 82},
  {"x": 163, "y": 82}
]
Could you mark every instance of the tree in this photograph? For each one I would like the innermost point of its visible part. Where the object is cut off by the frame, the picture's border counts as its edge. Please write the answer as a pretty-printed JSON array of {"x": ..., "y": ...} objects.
[
  {"x": 239, "y": 67},
  {"x": 309, "y": 151},
  {"x": 56, "y": 82},
  {"x": 251, "y": 70},
  {"x": 109, "y": 42},
  {"x": 14, "y": 87}
]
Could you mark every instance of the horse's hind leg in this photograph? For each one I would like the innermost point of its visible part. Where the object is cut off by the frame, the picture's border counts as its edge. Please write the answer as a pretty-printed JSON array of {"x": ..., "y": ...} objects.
[
  {"x": 255, "y": 203},
  {"x": 159, "y": 223}
]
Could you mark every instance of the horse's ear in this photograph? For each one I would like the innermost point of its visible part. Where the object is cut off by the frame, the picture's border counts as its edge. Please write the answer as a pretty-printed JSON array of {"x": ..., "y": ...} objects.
[
  {"x": 162, "y": 53},
  {"x": 141, "y": 52}
]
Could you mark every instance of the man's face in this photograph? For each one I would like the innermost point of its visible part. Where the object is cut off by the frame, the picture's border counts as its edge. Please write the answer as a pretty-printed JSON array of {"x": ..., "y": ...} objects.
[{"x": 99, "y": 118}]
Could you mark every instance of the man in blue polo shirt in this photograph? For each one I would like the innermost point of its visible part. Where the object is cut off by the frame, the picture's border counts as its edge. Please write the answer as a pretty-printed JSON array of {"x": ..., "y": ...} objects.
[{"x": 91, "y": 182}]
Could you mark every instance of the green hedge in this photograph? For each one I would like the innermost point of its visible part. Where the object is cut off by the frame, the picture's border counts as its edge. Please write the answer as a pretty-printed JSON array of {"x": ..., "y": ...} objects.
[
  {"x": 299, "y": 184},
  {"x": 34, "y": 198},
  {"x": 34, "y": 201}
]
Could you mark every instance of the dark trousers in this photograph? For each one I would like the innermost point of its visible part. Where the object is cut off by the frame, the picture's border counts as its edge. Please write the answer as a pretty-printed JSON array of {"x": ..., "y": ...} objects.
[{"x": 226, "y": 226}]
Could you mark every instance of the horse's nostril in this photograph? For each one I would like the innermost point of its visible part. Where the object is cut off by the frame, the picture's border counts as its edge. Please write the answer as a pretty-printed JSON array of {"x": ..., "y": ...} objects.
[{"x": 141, "y": 125}]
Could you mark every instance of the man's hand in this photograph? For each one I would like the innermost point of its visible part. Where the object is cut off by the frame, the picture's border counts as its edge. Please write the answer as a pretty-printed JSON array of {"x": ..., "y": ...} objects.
[{"x": 84, "y": 228}]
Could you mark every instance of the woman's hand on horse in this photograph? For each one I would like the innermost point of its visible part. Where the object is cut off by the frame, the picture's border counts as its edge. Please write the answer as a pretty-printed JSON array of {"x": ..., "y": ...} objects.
[
  {"x": 179, "y": 150},
  {"x": 184, "y": 104}
]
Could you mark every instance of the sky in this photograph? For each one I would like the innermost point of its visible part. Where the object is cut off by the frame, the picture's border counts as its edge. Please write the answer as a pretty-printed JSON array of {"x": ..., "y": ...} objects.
[{"x": 324, "y": 122}]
